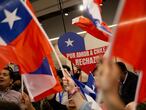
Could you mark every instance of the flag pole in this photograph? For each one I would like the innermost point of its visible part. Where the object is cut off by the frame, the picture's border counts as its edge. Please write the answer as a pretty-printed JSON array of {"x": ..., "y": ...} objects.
[
  {"x": 64, "y": 26},
  {"x": 22, "y": 84},
  {"x": 62, "y": 15}
]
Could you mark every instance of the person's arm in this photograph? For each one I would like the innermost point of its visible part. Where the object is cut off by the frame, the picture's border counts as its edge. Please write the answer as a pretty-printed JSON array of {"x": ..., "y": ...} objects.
[
  {"x": 76, "y": 96},
  {"x": 107, "y": 79},
  {"x": 113, "y": 101},
  {"x": 80, "y": 102},
  {"x": 31, "y": 107}
]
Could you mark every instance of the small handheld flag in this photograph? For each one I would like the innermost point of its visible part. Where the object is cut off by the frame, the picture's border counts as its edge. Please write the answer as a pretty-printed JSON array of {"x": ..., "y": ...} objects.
[{"x": 94, "y": 24}]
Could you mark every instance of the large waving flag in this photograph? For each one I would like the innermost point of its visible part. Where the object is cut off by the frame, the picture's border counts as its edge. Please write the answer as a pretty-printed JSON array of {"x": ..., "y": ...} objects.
[
  {"x": 94, "y": 24},
  {"x": 24, "y": 42},
  {"x": 130, "y": 39}
]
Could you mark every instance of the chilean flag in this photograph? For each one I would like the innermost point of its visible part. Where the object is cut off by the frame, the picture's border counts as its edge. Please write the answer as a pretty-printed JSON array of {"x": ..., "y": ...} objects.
[
  {"x": 94, "y": 24},
  {"x": 89, "y": 94},
  {"x": 80, "y": 51},
  {"x": 29, "y": 5},
  {"x": 23, "y": 42},
  {"x": 130, "y": 39},
  {"x": 89, "y": 88}
]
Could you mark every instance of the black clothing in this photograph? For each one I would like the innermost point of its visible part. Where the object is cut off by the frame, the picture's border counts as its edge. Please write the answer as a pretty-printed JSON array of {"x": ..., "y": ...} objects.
[
  {"x": 53, "y": 105},
  {"x": 128, "y": 89}
]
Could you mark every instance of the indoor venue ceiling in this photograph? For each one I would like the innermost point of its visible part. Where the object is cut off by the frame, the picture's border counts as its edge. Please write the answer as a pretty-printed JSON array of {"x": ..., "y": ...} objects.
[
  {"x": 49, "y": 14},
  {"x": 43, "y": 7}
]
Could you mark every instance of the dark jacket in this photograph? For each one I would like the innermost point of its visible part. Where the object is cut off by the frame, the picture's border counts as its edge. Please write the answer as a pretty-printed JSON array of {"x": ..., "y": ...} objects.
[
  {"x": 53, "y": 105},
  {"x": 128, "y": 89}
]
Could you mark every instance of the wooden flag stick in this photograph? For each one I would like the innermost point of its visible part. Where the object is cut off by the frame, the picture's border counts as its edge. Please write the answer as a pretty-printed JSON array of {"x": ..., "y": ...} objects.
[{"x": 22, "y": 84}]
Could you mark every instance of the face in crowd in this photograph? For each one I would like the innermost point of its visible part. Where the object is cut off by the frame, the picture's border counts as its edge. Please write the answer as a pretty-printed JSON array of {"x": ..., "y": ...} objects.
[
  {"x": 5, "y": 78},
  {"x": 107, "y": 74}
]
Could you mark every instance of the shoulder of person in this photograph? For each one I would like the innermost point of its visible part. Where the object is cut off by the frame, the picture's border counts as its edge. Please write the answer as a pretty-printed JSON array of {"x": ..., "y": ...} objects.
[
  {"x": 15, "y": 93},
  {"x": 132, "y": 75},
  {"x": 13, "y": 96}
]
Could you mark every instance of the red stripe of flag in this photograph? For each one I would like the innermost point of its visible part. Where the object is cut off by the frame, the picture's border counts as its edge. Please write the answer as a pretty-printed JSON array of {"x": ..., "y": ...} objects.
[{"x": 130, "y": 39}]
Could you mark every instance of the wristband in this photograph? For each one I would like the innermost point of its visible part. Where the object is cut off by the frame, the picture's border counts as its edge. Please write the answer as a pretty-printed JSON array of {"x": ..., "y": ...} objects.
[{"x": 73, "y": 92}]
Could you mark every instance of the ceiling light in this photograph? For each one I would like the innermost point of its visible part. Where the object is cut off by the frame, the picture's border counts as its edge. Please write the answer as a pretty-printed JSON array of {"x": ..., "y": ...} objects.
[
  {"x": 81, "y": 8},
  {"x": 66, "y": 14}
]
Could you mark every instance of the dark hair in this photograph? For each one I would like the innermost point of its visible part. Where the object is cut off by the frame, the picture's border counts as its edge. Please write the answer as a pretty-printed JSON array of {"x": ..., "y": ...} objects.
[
  {"x": 8, "y": 106},
  {"x": 60, "y": 74},
  {"x": 59, "y": 71},
  {"x": 15, "y": 69},
  {"x": 67, "y": 67},
  {"x": 10, "y": 71},
  {"x": 122, "y": 67}
]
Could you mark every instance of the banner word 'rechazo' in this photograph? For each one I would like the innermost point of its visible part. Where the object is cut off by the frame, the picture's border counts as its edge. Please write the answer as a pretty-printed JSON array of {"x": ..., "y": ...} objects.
[{"x": 86, "y": 60}]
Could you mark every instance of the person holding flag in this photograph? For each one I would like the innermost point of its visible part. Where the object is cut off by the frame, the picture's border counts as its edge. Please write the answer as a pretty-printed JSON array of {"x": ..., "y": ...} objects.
[
  {"x": 107, "y": 82},
  {"x": 131, "y": 30},
  {"x": 12, "y": 96},
  {"x": 21, "y": 35}
]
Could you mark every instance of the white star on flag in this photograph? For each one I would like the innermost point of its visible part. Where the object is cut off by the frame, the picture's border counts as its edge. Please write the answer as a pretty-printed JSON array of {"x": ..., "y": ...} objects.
[
  {"x": 93, "y": 87},
  {"x": 11, "y": 17},
  {"x": 69, "y": 42}
]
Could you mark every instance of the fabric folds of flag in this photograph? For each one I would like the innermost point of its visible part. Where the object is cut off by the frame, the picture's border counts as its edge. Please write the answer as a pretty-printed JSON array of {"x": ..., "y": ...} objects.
[
  {"x": 88, "y": 26},
  {"x": 130, "y": 39},
  {"x": 93, "y": 24},
  {"x": 24, "y": 42},
  {"x": 91, "y": 83},
  {"x": 89, "y": 94},
  {"x": 29, "y": 5},
  {"x": 86, "y": 89}
]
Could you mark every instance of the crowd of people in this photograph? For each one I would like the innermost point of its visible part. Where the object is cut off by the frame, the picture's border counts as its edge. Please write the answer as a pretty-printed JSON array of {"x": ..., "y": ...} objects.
[{"x": 116, "y": 88}]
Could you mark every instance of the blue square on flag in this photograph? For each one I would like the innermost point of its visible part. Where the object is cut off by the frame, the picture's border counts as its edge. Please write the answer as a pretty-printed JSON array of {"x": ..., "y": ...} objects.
[{"x": 13, "y": 19}]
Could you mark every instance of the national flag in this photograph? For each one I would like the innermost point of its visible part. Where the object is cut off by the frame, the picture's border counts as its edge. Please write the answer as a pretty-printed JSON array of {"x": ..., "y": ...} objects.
[
  {"x": 93, "y": 10},
  {"x": 94, "y": 24},
  {"x": 29, "y": 5},
  {"x": 91, "y": 83},
  {"x": 89, "y": 94},
  {"x": 130, "y": 39},
  {"x": 85, "y": 89},
  {"x": 6, "y": 51},
  {"x": 78, "y": 50},
  {"x": 24, "y": 42}
]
